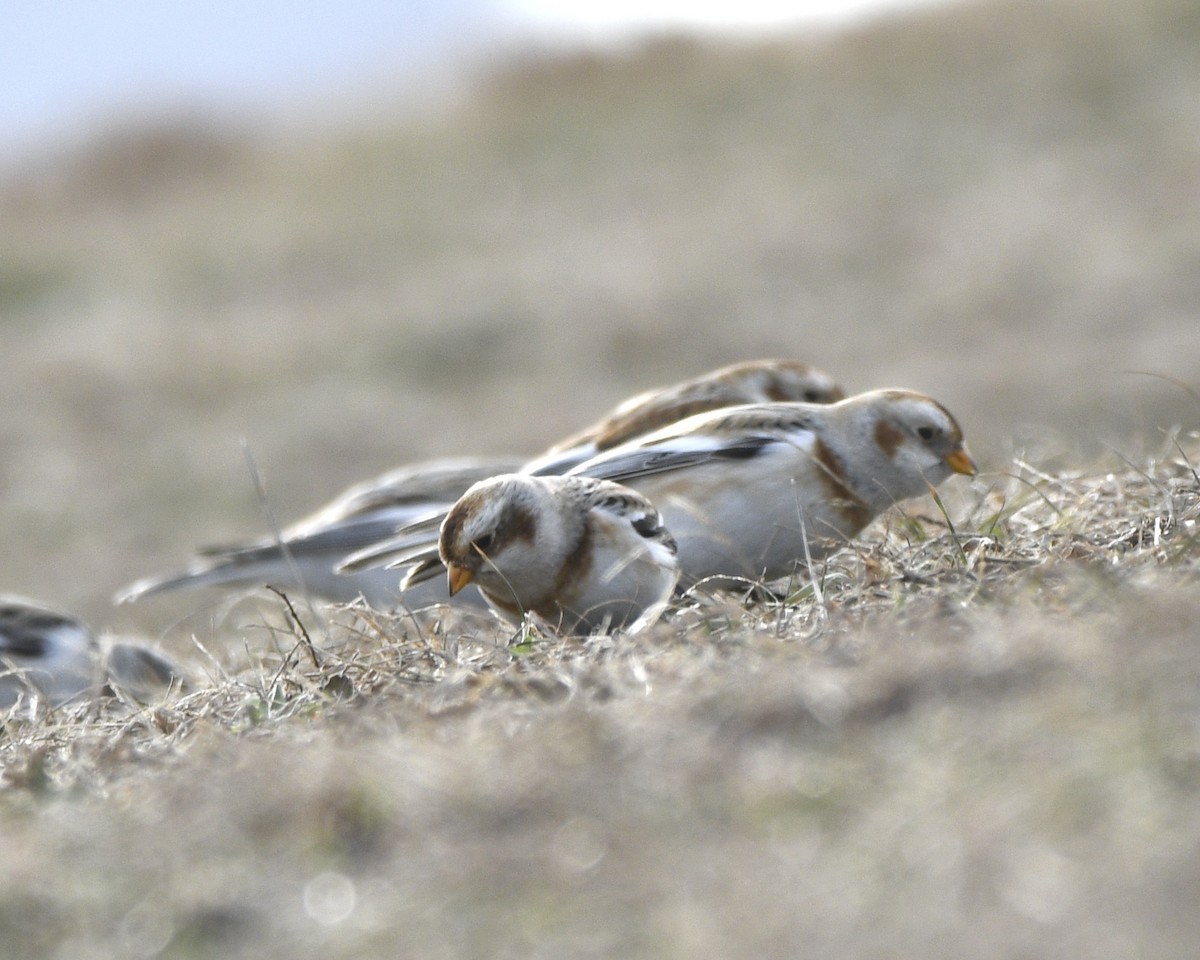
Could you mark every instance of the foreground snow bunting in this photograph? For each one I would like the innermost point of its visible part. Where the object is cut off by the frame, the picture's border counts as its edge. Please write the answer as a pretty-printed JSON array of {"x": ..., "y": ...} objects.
[
  {"x": 583, "y": 555},
  {"x": 755, "y": 381},
  {"x": 749, "y": 492},
  {"x": 304, "y": 557},
  {"x": 49, "y": 654}
]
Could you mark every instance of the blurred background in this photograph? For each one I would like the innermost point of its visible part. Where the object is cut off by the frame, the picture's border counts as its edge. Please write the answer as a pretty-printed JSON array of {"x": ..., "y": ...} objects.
[{"x": 373, "y": 233}]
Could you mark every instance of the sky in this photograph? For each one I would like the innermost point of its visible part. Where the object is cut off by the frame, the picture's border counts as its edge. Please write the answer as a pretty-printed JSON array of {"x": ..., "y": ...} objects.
[
  {"x": 586, "y": 14},
  {"x": 70, "y": 67}
]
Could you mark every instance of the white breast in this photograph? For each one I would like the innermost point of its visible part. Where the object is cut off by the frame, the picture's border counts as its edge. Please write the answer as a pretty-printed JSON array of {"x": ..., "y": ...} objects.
[{"x": 747, "y": 518}]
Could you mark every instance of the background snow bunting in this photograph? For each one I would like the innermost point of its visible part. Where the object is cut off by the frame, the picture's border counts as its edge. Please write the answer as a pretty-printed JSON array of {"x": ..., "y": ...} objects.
[
  {"x": 303, "y": 558},
  {"x": 753, "y": 381},
  {"x": 44, "y": 652}
]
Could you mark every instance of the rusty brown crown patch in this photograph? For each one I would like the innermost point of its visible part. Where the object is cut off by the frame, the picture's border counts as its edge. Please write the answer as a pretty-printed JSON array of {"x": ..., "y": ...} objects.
[{"x": 451, "y": 545}]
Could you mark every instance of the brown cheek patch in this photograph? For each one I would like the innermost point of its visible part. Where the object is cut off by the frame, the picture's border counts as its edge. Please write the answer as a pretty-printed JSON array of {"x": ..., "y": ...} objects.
[
  {"x": 777, "y": 393},
  {"x": 855, "y": 514},
  {"x": 888, "y": 438},
  {"x": 520, "y": 524}
]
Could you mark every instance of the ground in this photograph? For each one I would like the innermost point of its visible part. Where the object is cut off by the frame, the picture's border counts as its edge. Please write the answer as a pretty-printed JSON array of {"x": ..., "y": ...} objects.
[{"x": 966, "y": 738}]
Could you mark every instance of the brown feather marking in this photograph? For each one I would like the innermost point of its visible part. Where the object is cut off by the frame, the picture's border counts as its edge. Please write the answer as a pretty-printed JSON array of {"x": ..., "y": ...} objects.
[
  {"x": 578, "y": 563},
  {"x": 889, "y": 438},
  {"x": 504, "y": 600},
  {"x": 519, "y": 524},
  {"x": 450, "y": 544},
  {"x": 775, "y": 392},
  {"x": 646, "y": 419},
  {"x": 854, "y": 512}
]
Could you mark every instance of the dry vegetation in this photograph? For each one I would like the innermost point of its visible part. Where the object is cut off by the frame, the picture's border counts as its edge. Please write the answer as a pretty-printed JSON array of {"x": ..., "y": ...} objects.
[
  {"x": 981, "y": 743},
  {"x": 971, "y": 740}
]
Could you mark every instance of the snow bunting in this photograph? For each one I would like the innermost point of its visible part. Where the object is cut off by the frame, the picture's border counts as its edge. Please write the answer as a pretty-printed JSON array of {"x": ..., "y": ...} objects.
[
  {"x": 47, "y": 653},
  {"x": 751, "y": 491},
  {"x": 755, "y": 381},
  {"x": 304, "y": 556},
  {"x": 140, "y": 671},
  {"x": 583, "y": 555}
]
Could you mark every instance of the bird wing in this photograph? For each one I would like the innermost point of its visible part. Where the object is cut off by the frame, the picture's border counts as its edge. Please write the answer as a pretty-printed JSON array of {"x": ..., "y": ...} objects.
[{"x": 633, "y": 461}]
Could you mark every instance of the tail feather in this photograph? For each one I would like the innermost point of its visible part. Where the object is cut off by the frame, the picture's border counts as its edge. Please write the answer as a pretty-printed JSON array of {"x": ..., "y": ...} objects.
[{"x": 193, "y": 577}]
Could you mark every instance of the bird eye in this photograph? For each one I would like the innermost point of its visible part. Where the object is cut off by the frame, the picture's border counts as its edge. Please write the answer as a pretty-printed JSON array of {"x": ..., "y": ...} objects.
[
  {"x": 926, "y": 433},
  {"x": 812, "y": 396},
  {"x": 484, "y": 543}
]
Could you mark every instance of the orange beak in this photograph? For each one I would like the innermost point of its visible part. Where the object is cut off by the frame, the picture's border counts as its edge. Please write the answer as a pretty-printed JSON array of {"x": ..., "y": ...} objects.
[
  {"x": 960, "y": 462},
  {"x": 458, "y": 577}
]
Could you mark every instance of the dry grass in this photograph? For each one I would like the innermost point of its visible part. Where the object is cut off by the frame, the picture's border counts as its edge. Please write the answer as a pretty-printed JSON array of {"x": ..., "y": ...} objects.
[
  {"x": 976, "y": 743},
  {"x": 974, "y": 733}
]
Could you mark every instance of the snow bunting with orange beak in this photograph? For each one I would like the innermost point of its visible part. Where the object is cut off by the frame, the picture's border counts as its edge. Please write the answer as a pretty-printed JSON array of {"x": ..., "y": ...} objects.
[
  {"x": 750, "y": 491},
  {"x": 582, "y": 555}
]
